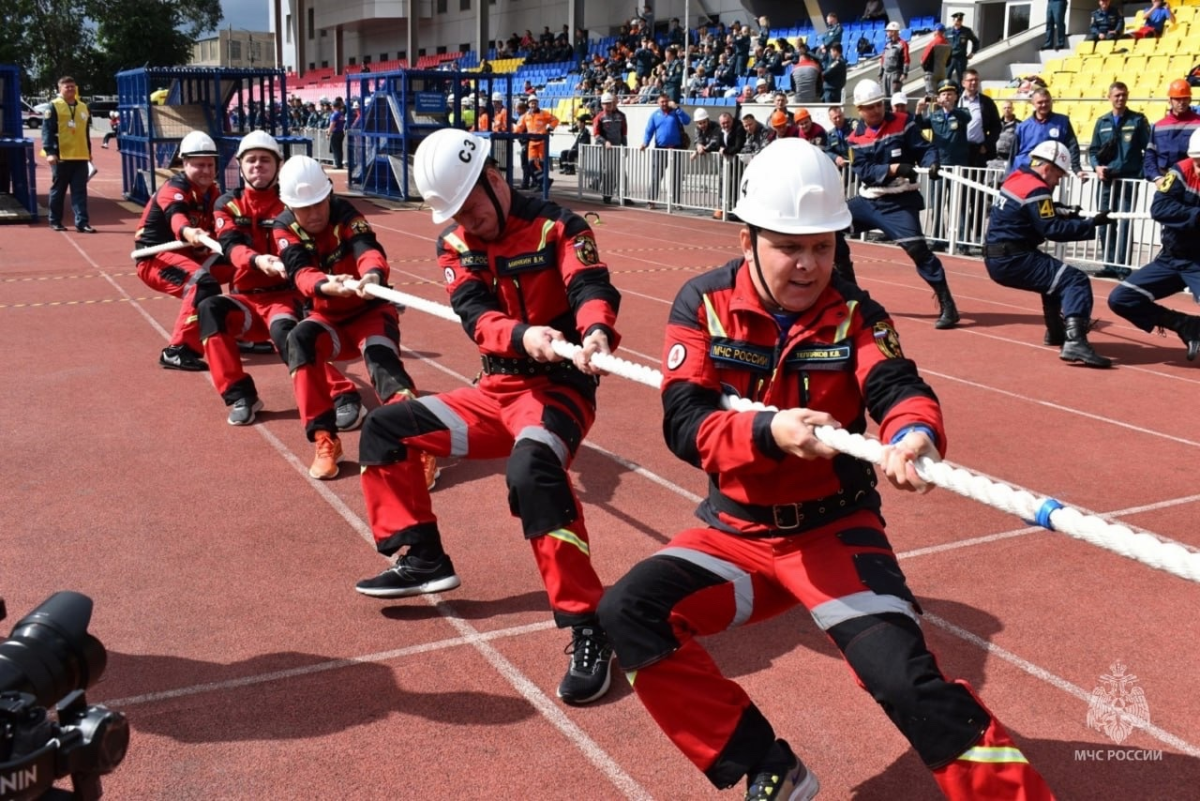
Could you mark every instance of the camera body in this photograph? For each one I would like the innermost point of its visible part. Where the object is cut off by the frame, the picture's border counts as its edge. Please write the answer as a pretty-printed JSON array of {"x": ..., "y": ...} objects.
[{"x": 49, "y": 660}]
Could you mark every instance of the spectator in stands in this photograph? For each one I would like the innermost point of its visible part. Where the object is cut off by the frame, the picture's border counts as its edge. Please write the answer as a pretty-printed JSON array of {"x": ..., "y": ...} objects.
[
  {"x": 984, "y": 127},
  {"x": 833, "y": 81},
  {"x": 675, "y": 33},
  {"x": 786, "y": 51},
  {"x": 837, "y": 137},
  {"x": 934, "y": 60},
  {"x": 1045, "y": 124},
  {"x": 527, "y": 41},
  {"x": 1008, "y": 135},
  {"x": 723, "y": 76},
  {"x": 894, "y": 61},
  {"x": 1107, "y": 24},
  {"x": 764, "y": 31},
  {"x": 733, "y": 139},
  {"x": 806, "y": 78},
  {"x": 708, "y": 135},
  {"x": 873, "y": 10},
  {"x": 337, "y": 132},
  {"x": 964, "y": 44},
  {"x": 698, "y": 84},
  {"x": 1118, "y": 151},
  {"x": 1056, "y": 25},
  {"x": 761, "y": 73},
  {"x": 809, "y": 130},
  {"x": 672, "y": 75},
  {"x": 666, "y": 129},
  {"x": 1176, "y": 207},
  {"x": 865, "y": 47},
  {"x": 1154, "y": 20},
  {"x": 831, "y": 37},
  {"x": 762, "y": 91},
  {"x": 742, "y": 43},
  {"x": 1169, "y": 137},
  {"x": 757, "y": 137}
]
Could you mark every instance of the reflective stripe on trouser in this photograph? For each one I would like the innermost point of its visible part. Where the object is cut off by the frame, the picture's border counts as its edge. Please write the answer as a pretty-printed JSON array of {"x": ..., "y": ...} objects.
[
  {"x": 334, "y": 341},
  {"x": 1134, "y": 297},
  {"x": 994, "y": 769},
  {"x": 533, "y": 423},
  {"x": 172, "y": 273},
  {"x": 898, "y": 216},
  {"x": 1042, "y": 273}
]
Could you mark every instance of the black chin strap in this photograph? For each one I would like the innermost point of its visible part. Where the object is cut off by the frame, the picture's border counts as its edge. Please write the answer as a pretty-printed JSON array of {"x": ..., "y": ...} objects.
[
  {"x": 500, "y": 215},
  {"x": 762, "y": 279}
]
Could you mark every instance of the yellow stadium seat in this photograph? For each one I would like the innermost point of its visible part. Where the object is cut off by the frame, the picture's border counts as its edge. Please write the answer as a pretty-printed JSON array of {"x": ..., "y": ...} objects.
[
  {"x": 1119, "y": 63},
  {"x": 1100, "y": 48},
  {"x": 1072, "y": 64},
  {"x": 1144, "y": 46},
  {"x": 1056, "y": 65}
]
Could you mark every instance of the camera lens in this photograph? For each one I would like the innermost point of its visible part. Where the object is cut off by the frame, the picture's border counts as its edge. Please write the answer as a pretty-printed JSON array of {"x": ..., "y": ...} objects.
[{"x": 50, "y": 653}]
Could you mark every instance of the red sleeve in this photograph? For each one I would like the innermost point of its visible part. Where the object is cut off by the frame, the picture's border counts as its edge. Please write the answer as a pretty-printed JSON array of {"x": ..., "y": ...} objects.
[
  {"x": 298, "y": 260},
  {"x": 589, "y": 288}
]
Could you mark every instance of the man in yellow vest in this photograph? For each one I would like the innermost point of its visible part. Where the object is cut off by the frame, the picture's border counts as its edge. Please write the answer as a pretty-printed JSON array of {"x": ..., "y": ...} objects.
[{"x": 68, "y": 147}]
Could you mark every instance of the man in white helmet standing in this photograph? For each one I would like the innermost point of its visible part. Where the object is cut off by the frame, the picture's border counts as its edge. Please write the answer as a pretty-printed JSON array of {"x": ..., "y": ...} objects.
[
  {"x": 182, "y": 209},
  {"x": 885, "y": 150},
  {"x": 522, "y": 273},
  {"x": 789, "y": 521},
  {"x": 610, "y": 130},
  {"x": 1176, "y": 207},
  {"x": 1024, "y": 216},
  {"x": 262, "y": 302},
  {"x": 323, "y": 242}
]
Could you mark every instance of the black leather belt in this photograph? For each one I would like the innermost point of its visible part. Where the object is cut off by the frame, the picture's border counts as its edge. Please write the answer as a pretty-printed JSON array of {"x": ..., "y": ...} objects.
[
  {"x": 999, "y": 249},
  {"x": 263, "y": 291},
  {"x": 790, "y": 517},
  {"x": 500, "y": 365}
]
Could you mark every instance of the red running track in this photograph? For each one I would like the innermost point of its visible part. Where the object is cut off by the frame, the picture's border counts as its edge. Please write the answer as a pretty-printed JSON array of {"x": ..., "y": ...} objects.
[{"x": 250, "y": 669}]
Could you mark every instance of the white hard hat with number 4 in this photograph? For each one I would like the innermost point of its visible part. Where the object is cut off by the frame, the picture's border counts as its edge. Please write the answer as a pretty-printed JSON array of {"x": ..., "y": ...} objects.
[
  {"x": 197, "y": 144},
  {"x": 867, "y": 93},
  {"x": 303, "y": 182},
  {"x": 1193, "y": 150},
  {"x": 446, "y": 167},
  {"x": 259, "y": 140},
  {"x": 1053, "y": 152},
  {"x": 792, "y": 187}
]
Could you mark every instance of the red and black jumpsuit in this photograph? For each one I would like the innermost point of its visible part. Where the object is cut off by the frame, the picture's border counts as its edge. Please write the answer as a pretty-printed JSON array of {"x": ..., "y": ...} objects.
[
  {"x": 258, "y": 305},
  {"x": 338, "y": 328},
  {"x": 544, "y": 270},
  {"x": 783, "y": 531},
  {"x": 178, "y": 204}
]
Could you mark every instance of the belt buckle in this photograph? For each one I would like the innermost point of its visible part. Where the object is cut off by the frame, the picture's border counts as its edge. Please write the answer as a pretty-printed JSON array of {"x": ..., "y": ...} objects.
[{"x": 787, "y": 516}]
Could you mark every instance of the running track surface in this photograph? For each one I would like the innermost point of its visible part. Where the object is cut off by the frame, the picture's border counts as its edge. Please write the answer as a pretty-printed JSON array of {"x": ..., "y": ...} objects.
[{"x": 249, "y": 668}]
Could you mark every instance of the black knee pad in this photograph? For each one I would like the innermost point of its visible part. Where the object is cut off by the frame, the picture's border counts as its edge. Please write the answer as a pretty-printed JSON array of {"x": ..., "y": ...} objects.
[
  {"x": 918, "y": 251},
  {"x": 213, "y": 312},
  {"x": 386, "y": 428},
  {"x": 387, "y": 371},
  {"x": 206, "y": 287},
  {"x": 888, "y": 653},
  {"x": 280, "y": 328},
  {"x": 302, "y": 344},
  {"x": 538, "y": 490}
]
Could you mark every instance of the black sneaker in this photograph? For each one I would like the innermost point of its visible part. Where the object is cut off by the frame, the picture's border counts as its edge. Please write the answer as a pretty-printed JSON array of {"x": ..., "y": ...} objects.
[
  {"x": 241, "y": 413},
  {"x": 256, "y": 347},
  {"x": 349, "y": 414},
  {"x": 181, "y": 357},
  {"x": 85, "y": 229},
  {"x": 411, "y": 576},
  {"x": 782, "y": 777},
  {"x": 590, "y": 671},
  {"x": 57, "y": 227}
]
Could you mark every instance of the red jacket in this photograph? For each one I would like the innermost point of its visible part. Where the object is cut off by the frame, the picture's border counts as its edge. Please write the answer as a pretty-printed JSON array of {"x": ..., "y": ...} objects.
[
  {"x": 544, "y": 270},
  {"x": 244, "y": 221},
  {"x": 347, "y": 246},
  {"x": 177, "y": 204},
  {"x": 842, "y": 356}
]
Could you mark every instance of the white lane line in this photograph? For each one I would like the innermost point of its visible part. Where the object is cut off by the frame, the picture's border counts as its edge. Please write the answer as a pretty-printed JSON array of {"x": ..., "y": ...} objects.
[
  {"x": 1162, "y": 735},
  {"x": 524, "y": 687}
]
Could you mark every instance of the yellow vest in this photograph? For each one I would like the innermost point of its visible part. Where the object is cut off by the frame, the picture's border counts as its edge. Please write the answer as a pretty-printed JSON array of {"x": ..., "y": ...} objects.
[{"x": 72, "y": 142}]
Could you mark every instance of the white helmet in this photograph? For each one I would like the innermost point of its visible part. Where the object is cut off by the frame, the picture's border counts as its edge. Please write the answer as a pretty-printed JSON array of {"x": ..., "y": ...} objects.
[
  {"x": 303, "y": 182},
  {"x": 892, "y": 26},
  {"x": 497, "y": 97},
  {"x": 197, "y": 144},
  {"x": 792, "y": 187},
  {"x": 1193, "y": 150},
  {"x": 899, "y": 99},
  {"x": 867, "y": 93},
  {"x": 259, "y": 140},
  {"x": 1053, "y": 152},
  {"x": 447, "y": 165},
  {"x": 607, "y": 97},
  {"x": 700, "y": 115}
]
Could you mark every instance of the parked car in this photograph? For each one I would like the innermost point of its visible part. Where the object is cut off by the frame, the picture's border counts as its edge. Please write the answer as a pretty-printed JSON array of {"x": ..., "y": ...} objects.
[{"x": 30, "y": 115}]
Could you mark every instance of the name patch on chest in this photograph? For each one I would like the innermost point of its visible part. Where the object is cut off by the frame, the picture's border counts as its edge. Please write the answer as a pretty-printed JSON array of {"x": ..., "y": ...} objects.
[
  {"x": 819, "y": 357},
  {"x": 740, "y": 354},
  {"x": 522, "y": 263}
]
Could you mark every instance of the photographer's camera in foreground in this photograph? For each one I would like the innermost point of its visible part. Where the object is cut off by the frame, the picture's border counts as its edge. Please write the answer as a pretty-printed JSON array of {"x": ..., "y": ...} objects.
[{"x": 48, "y": 661}]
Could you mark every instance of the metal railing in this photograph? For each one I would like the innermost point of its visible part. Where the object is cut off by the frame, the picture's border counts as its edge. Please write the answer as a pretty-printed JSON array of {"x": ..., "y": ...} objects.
[{"x": 954, "y": 219}]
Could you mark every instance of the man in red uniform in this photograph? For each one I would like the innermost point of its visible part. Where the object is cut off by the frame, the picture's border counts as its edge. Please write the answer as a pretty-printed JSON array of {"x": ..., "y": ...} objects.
[
  {"x": 262, "y": 302},
  {"x": 323, "y": 242},
  {"x": 182, "y": 209},
  {"x": 789, "y": 521},
  {"x": 522, "y": 273}
]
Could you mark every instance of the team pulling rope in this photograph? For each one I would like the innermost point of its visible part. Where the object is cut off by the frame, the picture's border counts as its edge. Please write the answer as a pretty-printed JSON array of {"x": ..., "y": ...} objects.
[
  {"x": 1044, "y": 511},
  {"x": 967, "y": 182}
]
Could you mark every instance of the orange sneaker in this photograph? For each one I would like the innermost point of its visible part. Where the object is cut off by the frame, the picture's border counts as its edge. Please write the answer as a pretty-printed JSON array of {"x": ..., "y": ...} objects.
[
  {"x": 329, "y": 451},
  {"x": 429, "y": 463}
]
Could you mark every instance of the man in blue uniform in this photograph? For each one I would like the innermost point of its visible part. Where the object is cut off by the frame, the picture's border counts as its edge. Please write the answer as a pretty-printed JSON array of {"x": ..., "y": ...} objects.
[
  {"x": 1023, "y": 217},
  {"x": 885, "y": 150},
  {"x": 947, "y": 124},
  {"x": 1042, "y": 125},
  {"x": 1177, "y": 207},
  {"x": 959, "y": 36}
]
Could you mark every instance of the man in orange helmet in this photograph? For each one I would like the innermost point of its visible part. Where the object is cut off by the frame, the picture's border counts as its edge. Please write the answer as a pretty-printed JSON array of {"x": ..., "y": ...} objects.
[{"x": 1169, "y": 137}]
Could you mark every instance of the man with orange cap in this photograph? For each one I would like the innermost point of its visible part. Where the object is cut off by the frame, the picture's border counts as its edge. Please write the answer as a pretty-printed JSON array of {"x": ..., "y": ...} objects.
[
  {"x": 1169, "y": 137},
  {"x": 809, "y": 130}
]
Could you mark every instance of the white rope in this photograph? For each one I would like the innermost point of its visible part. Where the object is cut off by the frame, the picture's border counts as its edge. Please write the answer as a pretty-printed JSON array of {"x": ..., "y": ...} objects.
[
  {"x": 178, "y": 244},
  {"x": 953, "y": 176},
  {"x": 1040, "y": 510}
]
